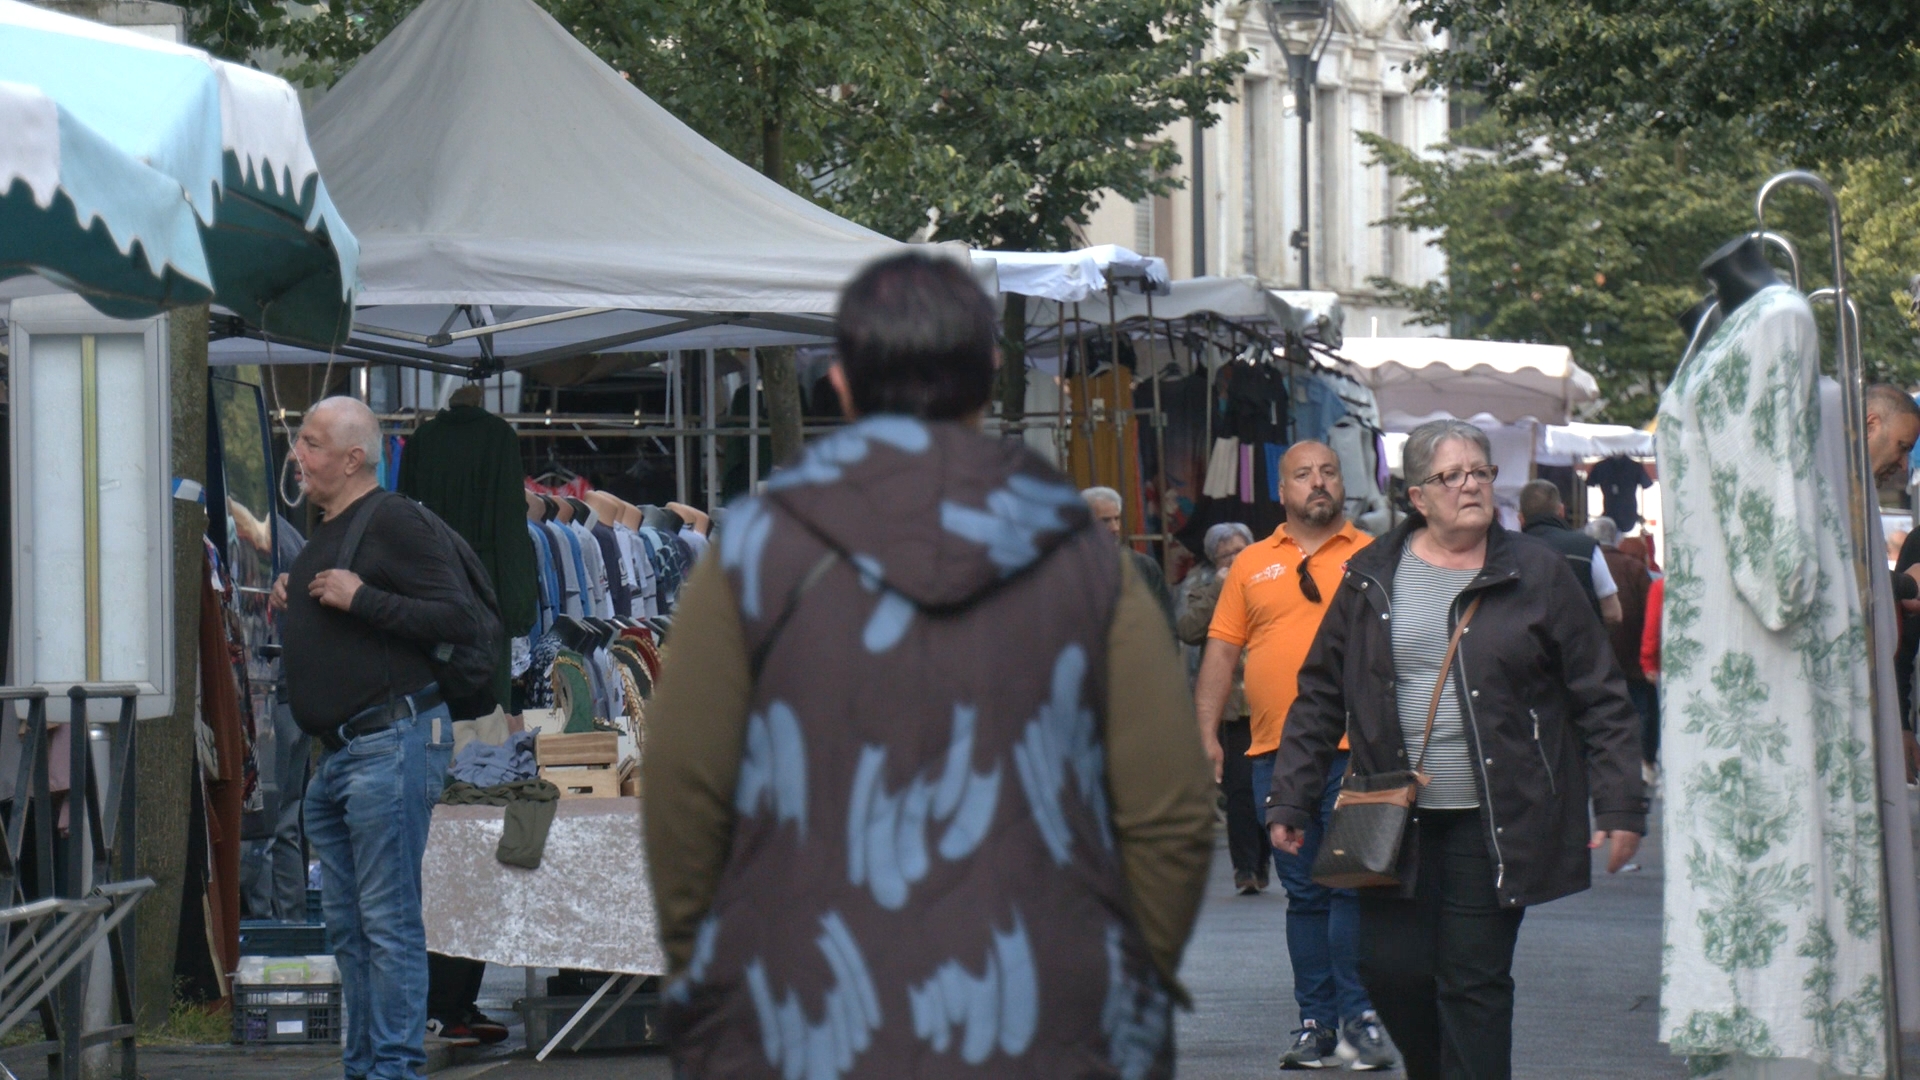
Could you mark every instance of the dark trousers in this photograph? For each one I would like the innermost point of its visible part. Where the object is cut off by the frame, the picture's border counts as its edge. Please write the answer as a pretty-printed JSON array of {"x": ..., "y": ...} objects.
[
  {"x": 453, "y": 986},
  {"x": 1246, "y": 836},
  {"x": 1646, "y": 701},
  {"x": 1439, "y": 966}
]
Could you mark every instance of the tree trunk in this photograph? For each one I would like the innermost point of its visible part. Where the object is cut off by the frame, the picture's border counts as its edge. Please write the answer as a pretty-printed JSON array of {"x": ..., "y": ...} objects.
[
  {"x": 165, "y": 766},
  {"x": 1013, "y": 358},
  {"x": 773, "y": 150},
  {"x": 780, "y": 382}
]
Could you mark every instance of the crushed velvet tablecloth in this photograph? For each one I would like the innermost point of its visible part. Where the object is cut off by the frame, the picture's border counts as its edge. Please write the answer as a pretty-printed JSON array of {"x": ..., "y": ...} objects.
[{"x": 589, "y": 906}]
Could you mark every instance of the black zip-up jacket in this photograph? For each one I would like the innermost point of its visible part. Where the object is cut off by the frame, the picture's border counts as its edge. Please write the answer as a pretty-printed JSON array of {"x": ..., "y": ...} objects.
[{"x": 1547, "y": 713}]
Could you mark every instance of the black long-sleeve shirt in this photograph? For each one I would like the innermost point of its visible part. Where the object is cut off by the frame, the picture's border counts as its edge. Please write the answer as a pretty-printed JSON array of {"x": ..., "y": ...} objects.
[
  {"x": 411, "y": 599},
  {"x": 1904, "y": 588}
]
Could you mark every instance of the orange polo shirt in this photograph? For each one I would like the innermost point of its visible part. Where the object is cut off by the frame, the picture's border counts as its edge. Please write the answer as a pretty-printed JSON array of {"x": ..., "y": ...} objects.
[{"x": 1263, "y": 611}]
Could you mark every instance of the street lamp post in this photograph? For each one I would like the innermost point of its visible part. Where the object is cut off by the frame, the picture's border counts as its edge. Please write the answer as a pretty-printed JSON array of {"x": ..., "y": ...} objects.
[{"x": 1317, "y": 16}]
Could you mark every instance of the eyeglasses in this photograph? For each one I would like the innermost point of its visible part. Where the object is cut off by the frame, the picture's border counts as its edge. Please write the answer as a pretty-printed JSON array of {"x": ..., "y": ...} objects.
[
  {"x": 1309, "y": 588},
  {"x": 1457, "y": 478}
]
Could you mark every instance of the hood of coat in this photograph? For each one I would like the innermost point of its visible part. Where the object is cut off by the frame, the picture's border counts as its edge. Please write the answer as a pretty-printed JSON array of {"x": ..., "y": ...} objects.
[{"x": 934, "y": 511}]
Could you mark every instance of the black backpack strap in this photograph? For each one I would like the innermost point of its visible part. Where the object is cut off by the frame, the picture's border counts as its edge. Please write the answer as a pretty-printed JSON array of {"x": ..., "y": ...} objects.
[
  {"x": 759, "y": 658},
  {"x": 357, "y": 528}
]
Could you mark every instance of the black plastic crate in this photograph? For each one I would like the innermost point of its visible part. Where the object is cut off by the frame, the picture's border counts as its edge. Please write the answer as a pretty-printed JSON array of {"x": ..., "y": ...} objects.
[
  {"x": 315, "y": 913},
  {"x": 286, "y": 1013},
  {"x": 264, "y": 937}
]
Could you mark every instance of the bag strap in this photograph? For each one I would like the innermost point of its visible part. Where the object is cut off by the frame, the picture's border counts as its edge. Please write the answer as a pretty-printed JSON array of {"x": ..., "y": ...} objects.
[
  {"x": 1440, "y": 687},
  {"x": 357, "y": 528},
  {"x": 758, "y": 660}
]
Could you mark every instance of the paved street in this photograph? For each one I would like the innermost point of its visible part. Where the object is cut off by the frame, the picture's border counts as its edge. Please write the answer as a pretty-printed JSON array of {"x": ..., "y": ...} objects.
[{"x": 1588, "y": 974}]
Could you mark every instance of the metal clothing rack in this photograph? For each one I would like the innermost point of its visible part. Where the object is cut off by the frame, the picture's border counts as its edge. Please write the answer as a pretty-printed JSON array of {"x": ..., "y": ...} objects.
[{"x": 52, "y": 927}]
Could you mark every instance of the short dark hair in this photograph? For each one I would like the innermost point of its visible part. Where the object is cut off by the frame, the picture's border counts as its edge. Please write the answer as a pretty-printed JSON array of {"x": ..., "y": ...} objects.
[
  {"x": 1540, "y": 498},
  {"x": 916, "y": 336}
]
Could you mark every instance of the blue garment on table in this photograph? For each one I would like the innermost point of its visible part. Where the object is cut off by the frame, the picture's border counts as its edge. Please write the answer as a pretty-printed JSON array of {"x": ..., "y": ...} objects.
[
  {"x": 368, "y": 809},
  {"x": 486, "y": 765}
]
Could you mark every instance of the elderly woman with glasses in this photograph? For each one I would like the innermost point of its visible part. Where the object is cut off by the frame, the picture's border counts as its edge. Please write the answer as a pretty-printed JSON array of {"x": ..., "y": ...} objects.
[
  {"x": 1199, "y": 596},
  {"x": 1521, "y": 734}
]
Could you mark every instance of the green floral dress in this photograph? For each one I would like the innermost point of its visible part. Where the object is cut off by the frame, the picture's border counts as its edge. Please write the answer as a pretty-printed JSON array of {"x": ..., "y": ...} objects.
[{"x": 1773, "y": 910}]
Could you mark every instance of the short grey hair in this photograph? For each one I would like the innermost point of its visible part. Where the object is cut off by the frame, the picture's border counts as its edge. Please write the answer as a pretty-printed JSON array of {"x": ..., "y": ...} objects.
[
  {"x": 354, "y": 426},
  {"x": 1217, "y": 536},
  {"x": 1416, "y": 458},
  {"x": 1604, "y": 531},
  {"x": 1102, "y": 495}
]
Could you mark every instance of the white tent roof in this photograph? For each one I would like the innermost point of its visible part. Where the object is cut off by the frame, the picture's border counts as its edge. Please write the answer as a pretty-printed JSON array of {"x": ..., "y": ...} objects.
[
  {"x": 485, "y": 157},
  {"x": 1076, "y": 275},
  {"x": 1317, "y": 314},
  {"x": 1564, "y": 444},
  {"x": 1418, "y": 378}
]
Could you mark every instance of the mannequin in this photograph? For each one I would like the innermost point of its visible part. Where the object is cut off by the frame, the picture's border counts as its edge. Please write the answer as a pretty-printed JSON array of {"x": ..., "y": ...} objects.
[
  {"x": 1738, "y": 271},
  {"x": 1707, "y": 309},
  {"x": 562, "y": 510},
  {"x": 536, "y": 508}
]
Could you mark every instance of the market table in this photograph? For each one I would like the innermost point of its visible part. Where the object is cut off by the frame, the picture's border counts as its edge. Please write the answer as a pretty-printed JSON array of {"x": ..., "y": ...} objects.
[{"x": 588, "y": 907}]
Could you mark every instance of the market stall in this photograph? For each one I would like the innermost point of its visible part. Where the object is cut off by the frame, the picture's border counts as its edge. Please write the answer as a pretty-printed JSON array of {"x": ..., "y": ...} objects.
[
  {"x": 137, "y": 176},
  {"x": 1419, "y": 378}
]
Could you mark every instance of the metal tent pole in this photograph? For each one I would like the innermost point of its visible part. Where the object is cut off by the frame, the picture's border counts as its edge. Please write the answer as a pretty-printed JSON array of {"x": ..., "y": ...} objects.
[
  {"x": 710, "y": 443},
  {"x": 753, "y": 421}
]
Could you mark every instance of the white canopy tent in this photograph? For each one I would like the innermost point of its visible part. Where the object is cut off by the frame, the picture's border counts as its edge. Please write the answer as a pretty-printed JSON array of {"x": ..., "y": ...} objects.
[
  {"x": 516, "y": 197},
  {"x": 1419, "y": 378},
  {"x": 1316, "y": 315},
  {"x": 1077, "y": 275}
]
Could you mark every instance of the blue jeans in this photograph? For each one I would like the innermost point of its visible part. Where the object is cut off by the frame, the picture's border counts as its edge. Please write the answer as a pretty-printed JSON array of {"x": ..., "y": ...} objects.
[
  {"x": 368, "y": 808},
  {"x": 1323, "y": 925}
]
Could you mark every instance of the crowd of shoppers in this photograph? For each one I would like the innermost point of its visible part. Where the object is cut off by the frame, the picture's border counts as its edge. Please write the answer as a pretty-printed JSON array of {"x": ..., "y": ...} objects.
[{"x": 984, "y": 840}]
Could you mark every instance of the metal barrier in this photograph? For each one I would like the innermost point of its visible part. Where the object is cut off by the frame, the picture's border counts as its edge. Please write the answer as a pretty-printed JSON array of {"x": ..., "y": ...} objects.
[{"x": 51, "y": 928}]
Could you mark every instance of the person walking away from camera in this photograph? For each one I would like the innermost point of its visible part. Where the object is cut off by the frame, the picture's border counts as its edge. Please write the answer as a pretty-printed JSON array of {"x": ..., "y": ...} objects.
[
  {"x": 1533, "y": 732},
  {"x": 923, "y": 792},
  {"x": 1543, "y": 516},
  {"x": 1109, "y": 513},
  {"x": 1271, "y": 606},
  {"x": 1199, "y": 593},
  {"x": 358, "y": 679},
  {"x": 1635, "y": 586}
]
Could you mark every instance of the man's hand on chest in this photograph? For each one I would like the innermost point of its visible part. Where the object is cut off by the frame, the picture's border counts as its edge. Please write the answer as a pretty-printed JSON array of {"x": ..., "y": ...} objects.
[{"x": 335, "y": 588}]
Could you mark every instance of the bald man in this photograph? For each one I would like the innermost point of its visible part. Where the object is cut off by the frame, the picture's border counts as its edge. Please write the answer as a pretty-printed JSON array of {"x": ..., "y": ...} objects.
[{"x": 356, "y": 643}]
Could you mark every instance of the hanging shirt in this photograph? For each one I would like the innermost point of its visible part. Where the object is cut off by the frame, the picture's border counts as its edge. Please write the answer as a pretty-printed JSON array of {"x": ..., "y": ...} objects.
[{"x": 1620, "y": 479}]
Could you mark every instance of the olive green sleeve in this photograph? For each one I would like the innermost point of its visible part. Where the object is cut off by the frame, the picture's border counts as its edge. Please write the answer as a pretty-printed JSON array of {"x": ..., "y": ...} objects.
[
  {"x": 696, "y": 727},
  {"x": 1157, "y": 776}
]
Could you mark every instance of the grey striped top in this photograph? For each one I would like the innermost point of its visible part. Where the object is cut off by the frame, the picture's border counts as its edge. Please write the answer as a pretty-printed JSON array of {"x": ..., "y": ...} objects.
[{"x": 1423, "y": 596}]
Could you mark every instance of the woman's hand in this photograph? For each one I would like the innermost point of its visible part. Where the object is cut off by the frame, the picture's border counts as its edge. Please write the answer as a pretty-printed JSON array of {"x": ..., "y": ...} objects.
[
  {"x": 1287, "y": 838},
  {"x": 1625, "y": 842}
]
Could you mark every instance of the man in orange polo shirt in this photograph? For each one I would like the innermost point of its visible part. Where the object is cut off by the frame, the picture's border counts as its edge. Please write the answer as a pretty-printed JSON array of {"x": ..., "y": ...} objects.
[{"x": 1271, "y": 606}]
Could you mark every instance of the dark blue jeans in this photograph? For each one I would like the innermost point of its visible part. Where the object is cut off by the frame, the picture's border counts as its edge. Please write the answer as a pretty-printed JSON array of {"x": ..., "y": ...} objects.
[
  {"x": 1323, "y": 925},
  {"x": 368, "y": 809}
]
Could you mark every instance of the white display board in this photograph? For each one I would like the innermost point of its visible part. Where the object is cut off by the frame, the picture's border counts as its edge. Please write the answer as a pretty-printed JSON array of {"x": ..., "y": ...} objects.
[{"x": 92, "y": 500}]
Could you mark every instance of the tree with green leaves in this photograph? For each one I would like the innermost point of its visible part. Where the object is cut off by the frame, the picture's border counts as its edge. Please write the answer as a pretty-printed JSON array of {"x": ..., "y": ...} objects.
[
  {"x": 1591, "y": 236},
  {"x": 1825, "y": 81},
  {"x": 1001, "y": 123}
]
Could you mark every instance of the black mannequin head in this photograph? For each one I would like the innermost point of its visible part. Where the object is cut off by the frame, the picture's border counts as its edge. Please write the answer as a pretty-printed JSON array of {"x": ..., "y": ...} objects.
[
  {"x": 1739, "y": 270},
  {"x": 580, "y": 510},
  {"x": 553, "y": 508}
]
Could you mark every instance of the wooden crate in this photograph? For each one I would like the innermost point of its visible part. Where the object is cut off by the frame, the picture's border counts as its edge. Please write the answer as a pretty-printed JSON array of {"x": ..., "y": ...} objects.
[
  {"x": 586, "y": 748},
  {"x": 629, "y": 777},
  {"x": 583, "y": 782}
]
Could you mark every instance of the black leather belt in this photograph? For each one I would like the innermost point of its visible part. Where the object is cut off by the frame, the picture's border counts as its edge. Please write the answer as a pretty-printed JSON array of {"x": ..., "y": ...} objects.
[{"x": 378, "y": 718}]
